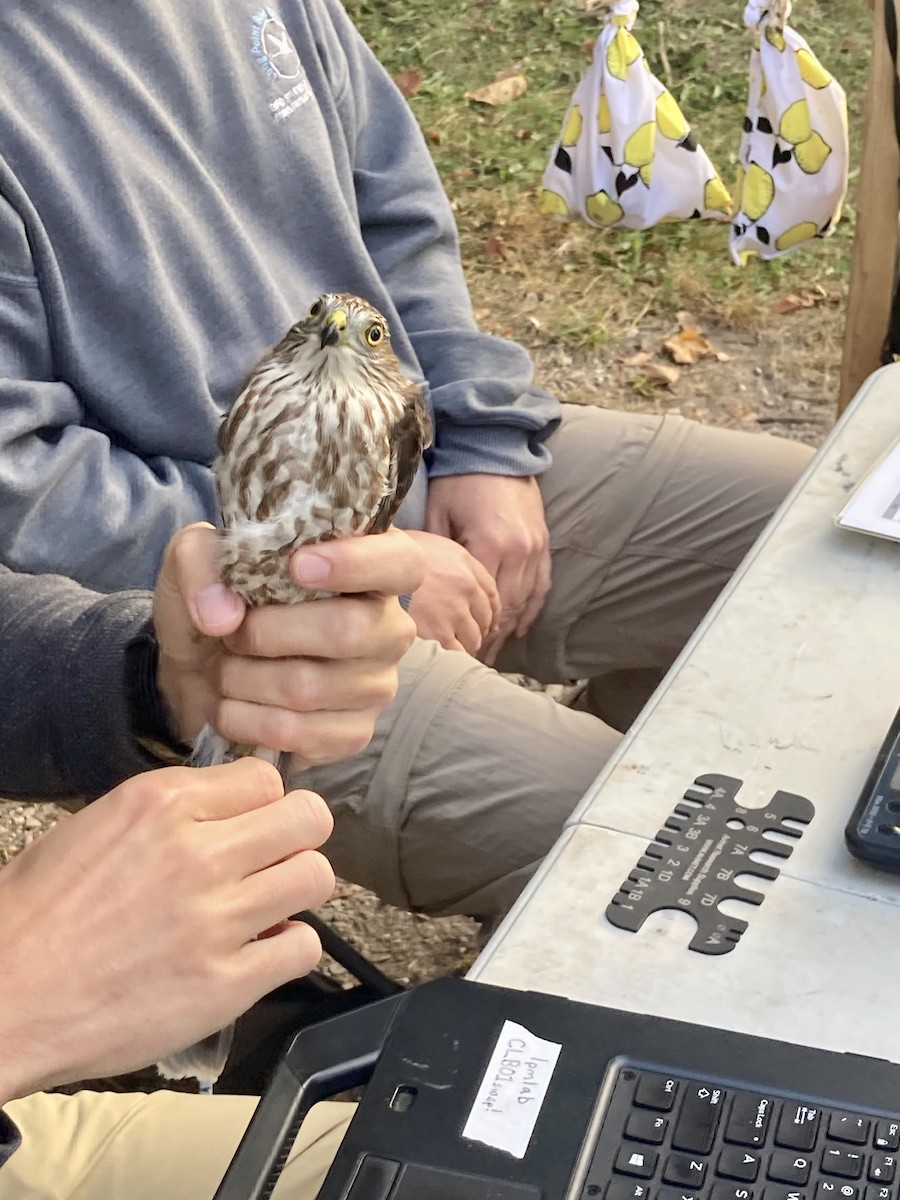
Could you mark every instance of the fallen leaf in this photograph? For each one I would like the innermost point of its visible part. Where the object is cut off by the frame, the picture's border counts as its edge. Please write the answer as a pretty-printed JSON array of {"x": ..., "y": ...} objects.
[
  {"x": 408, "y": 82},
  {"x": 688, "y": 347},
  {"x": 588, "y": 47},
  {"x": 660, "y": 373},
  {"x": 794, "y": 301},
  {"x": 745, "y": 415},
  {"x": 508, "y": 85},
  {"x": 638, "y": 358},
  {"x": 433, "y": 136},
  {"x": 481, "y": 314},
  {"x": 493, "y": 250},
  {"x": 524, "y": 135}
]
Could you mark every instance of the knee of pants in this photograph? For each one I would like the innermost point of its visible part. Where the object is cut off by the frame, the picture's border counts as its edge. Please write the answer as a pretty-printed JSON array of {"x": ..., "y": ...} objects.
[
  {"x": 468, "y": 783},
  {"x": 648, "y": 519}
]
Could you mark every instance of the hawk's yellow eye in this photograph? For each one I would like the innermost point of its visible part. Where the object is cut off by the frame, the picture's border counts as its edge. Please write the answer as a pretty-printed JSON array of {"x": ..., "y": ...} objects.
[
  {"x": 374, "y": 334},
  {"x": 316, "y": 309}
]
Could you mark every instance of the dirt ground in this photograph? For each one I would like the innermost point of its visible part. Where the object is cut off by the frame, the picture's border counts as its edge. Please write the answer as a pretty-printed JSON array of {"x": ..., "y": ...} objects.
[{"x": 780, "y": 379}]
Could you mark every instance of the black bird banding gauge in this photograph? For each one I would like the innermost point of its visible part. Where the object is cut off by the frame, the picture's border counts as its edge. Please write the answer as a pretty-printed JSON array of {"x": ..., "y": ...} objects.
[{"x": 694, "y": 860}]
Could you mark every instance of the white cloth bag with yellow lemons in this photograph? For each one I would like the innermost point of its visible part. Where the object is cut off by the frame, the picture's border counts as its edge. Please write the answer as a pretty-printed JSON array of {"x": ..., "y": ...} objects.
[
  {"x": 626, "y": 157},
  {"x": 794, "y": 153}
]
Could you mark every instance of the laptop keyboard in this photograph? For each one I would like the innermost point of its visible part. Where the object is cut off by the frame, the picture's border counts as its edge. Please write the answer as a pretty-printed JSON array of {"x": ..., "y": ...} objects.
[{"x": 669, "y": 1138}]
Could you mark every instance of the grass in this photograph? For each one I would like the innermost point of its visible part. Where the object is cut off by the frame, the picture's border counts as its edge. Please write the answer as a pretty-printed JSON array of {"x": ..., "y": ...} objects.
[{"x": 573, "y": 283}]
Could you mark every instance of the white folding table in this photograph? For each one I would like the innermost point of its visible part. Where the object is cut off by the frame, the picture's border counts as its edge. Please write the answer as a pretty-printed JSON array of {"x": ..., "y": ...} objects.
[{"x": 790, "y": 684}]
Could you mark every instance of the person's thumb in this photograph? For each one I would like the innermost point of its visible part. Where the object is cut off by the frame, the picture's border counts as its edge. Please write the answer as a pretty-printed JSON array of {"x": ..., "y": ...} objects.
[{"x": 189, "y": 597}]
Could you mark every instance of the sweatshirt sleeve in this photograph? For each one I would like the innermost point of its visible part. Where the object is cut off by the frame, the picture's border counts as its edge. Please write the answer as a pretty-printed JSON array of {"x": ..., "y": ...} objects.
[
  {"x": 55, "y": 468},
  {"x": 489, "y": 415},
  {"x": 65, "y": 720}
]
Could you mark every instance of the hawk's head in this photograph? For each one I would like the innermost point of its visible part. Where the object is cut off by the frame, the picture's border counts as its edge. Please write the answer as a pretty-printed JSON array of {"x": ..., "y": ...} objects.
[{"x": 342, "y": 327}]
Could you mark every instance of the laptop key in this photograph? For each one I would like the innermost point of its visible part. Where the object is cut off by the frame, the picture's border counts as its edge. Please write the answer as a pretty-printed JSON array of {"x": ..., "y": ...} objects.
[
  {"x": 798, "y": 1126},
  {"x": 833, "y": 1189},
  {"x": 786, "y": 1166},
  {"x": 684, "y": 1171},
  {"x": 849, "y": 1127},
  {"x": 848, "y": 1164},
  {"x": 749, "y": 1120},
  {"x": 670, "y": 1193},
  {"x": 736, "y": 1162},
  {"x": 879, "y": 1191},
  {"x": 646, "y": 1127},
  {"x": 626, "y": 1189},
  {"x": 887, "y": 1135},
  {"x": 730, "y": 1191},
  {"x": 698, "y": 1119},
  {"x": 777, "y": 1191},
  {"x": 656, "y": 1091},
  {"x": 632, "y": 1160},
  {"x": 882, "y": 1168}
]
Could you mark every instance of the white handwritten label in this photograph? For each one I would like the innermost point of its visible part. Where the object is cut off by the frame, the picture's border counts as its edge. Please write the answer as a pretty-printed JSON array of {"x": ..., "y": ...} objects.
[{"x": 512, "y": 1091}]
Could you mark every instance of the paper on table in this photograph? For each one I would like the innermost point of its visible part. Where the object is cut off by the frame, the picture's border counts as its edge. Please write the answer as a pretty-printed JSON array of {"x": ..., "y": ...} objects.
[
  {"x": 512, "y": 1090},
  {"x": 874, "y": 506}
]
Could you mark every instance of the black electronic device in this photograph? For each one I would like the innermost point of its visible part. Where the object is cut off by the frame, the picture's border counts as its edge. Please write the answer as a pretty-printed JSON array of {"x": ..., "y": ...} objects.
[
  {"x": 873, "y": 831},
  {"x": 484, "y": 1093}
]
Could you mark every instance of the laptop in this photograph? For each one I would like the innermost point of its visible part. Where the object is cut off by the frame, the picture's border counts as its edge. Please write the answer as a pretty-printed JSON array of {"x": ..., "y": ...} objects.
[{"x": 476, "y": 1092}]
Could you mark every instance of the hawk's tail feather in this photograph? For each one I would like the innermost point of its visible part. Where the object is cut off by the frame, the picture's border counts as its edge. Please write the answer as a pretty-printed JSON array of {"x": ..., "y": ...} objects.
[
  {"x": 210, "y": 750},
  {"x": 205, "y": 1060}
]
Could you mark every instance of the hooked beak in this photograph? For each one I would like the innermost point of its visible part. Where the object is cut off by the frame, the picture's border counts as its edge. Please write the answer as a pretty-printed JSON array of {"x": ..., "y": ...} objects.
[{"x": 335, "y": 324}]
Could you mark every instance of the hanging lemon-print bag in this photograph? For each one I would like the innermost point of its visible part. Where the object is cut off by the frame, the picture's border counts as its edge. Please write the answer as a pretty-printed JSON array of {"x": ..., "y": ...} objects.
[{"x": 626, "y": 156}]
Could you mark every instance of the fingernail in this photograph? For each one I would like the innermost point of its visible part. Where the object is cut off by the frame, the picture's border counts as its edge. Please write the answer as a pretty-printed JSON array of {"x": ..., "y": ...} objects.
[
  {"x": 216, "y": 605},
  {"x": 311, "y": 568}
]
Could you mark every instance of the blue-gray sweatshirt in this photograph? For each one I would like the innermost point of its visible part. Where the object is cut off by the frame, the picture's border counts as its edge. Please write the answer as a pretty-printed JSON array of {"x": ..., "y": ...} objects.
[{"x": 177, "y": 184}]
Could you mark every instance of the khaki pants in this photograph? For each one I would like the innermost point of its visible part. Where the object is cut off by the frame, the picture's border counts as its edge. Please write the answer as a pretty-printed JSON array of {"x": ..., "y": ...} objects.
[
  {"x": 470, "y": 778},
  {"x": 162, "y": 1146}
]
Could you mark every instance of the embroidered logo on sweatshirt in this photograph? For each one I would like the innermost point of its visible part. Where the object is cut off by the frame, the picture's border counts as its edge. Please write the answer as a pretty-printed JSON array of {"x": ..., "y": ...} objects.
[{"x": 277, "y": 55}]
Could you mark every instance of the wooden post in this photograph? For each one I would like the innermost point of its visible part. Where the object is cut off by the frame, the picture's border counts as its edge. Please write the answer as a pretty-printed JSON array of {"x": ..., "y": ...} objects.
[{"x": 877, "y": 210}]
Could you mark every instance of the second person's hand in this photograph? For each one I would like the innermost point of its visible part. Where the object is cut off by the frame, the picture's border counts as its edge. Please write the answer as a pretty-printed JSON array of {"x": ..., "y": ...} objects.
[
  {"x": 132, "y": 928},
  {"x": 500, "y": 521},
  {"x": 309, "y": 678},
  {"x": 458, "y": 603}
]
